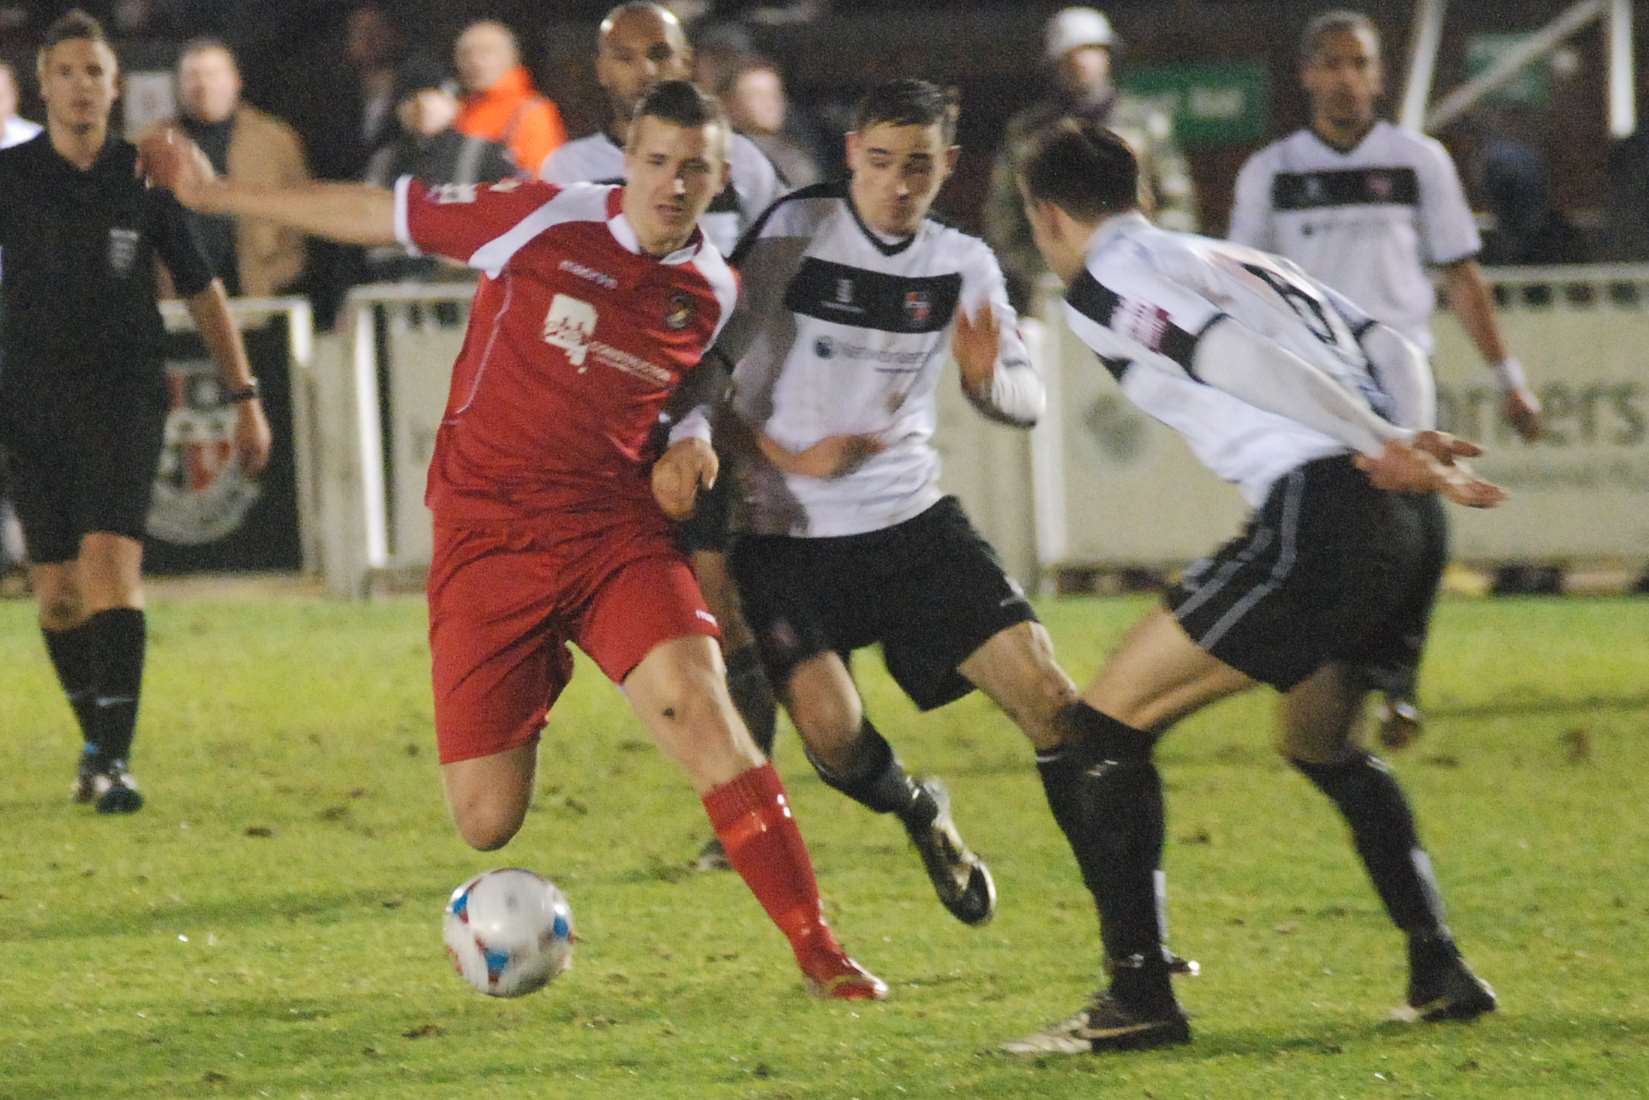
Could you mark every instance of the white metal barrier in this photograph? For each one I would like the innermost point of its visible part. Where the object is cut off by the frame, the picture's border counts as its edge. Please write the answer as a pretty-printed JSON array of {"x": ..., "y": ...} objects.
[
  {"x": 1097, "y": 482},
  {"x": 1121, "y": 489}
]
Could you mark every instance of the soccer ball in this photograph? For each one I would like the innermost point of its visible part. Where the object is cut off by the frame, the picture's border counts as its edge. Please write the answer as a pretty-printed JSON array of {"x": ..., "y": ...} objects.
[{"x": 509, "y": 932}]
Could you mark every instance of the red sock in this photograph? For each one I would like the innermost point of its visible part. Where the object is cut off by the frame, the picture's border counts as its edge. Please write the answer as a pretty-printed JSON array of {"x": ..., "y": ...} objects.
[{"x": 751, "y": 815}]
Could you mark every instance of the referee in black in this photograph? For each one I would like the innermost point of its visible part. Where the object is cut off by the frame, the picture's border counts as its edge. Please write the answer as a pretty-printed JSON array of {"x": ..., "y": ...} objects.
[{"x": 82, "y": 396}]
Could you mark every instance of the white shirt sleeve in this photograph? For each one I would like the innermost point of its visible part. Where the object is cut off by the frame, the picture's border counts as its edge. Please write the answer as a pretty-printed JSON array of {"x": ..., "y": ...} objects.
[
  {"x": 756, "y": 181},
  {"x": 1251, "y": 205},
  {"x": 1447, "y": 228},
  {"x": 1016, "y": 396}
]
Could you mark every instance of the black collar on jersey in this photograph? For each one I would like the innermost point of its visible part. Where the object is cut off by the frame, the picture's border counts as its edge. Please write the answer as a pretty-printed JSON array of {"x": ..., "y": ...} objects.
[
  {"x": 1344, "y": 151},
  {"x": 874, "y": 237}
]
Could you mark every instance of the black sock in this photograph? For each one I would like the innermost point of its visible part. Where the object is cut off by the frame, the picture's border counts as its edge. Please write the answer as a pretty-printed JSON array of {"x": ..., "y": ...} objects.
[
  {"x": 1382, "y": 828},
  {"x": 121, "y": 636},
  {"x": 1106, "y": 795},
  {"x": 753, "y": 696},
  {"x": 875, "y": 779},
  {"x": 74, "y": 656}
]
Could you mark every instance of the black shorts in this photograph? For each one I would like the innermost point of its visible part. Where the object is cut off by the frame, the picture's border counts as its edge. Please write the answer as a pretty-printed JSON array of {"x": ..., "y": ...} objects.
[
  {"x": 930, "y": 590},
  {"x": 83, "y": 462},
  {"x": 707, "y": 528},
  {"x": 1329, "y": 569}
]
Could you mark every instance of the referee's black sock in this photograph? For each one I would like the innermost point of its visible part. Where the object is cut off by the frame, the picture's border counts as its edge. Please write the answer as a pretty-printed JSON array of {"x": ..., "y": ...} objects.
[
  {"x": 753, "y": 696},
  {"x": 875, "y": 778},
  {"x": 1382, "y": 828},
  {"x": 1106, "y": 795},
  {"x": 74, "y": 656},
  {"x": 121, "y": 638}
]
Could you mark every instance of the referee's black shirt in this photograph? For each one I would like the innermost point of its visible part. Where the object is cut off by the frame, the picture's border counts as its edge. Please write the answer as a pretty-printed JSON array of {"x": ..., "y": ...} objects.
[{"x": 77, "y": 276}]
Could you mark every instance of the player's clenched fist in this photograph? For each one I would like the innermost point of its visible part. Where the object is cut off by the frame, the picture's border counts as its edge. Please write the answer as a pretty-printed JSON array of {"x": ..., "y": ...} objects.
[
  {"x": 170, "y": 160},
  {"x": 678, "y": 475}
]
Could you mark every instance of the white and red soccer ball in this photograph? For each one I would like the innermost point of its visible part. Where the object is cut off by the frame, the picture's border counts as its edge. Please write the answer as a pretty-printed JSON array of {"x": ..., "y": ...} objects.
[{"x": 509, "y": 932}]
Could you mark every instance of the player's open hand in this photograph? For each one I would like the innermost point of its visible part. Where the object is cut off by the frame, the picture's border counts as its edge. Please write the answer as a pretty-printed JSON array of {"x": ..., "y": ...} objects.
[
  {"x": 169, "y": 159},
  {"x": 977, "y": 344},
  {"x": 832, "y": 456},
  {"x": 1522, "y": 410},
  {"x": 1429, "y": 464},
  {"x": 252, "y": 437},
  {"x": 688, "y": 466}
]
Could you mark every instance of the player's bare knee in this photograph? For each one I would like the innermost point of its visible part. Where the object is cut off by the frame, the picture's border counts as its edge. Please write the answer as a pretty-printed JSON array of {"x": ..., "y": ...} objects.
[
  {"x": 487, "y": 828},
  {"x": 826, "y": 720}
]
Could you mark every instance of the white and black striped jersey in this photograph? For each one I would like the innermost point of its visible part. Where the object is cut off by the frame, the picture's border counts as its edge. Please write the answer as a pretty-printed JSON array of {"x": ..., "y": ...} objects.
[
  {"x": 756, "y": 183},
  {"x": 1367, "y": 222},
  {"x": 1147, "y": 296},
  {"x": 844, "y": 331}
]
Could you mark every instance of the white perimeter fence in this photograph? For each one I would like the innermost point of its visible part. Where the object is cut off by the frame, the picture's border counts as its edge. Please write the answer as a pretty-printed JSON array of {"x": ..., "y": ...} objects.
[{"x": 1096, "y": 484}]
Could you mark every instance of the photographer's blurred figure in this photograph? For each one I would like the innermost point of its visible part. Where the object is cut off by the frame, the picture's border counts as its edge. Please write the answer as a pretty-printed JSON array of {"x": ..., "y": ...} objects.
[
  {"x": 500, "y": 102},
  {"x": 431, "y": 149},
  {"x": 1080, "y": 47}
]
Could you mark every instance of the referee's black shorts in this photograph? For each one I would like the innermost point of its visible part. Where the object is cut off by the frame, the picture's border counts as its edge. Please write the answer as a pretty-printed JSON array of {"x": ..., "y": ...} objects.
[
  {"x": 1329, "y": 569},
  {"x": 931, "y": 590},
  {"x": 83, "y": 461}
]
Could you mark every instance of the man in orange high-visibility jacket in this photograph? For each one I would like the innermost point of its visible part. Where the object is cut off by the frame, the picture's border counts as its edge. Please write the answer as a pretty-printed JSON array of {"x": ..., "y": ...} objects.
[{"x": 500, "y": 103}]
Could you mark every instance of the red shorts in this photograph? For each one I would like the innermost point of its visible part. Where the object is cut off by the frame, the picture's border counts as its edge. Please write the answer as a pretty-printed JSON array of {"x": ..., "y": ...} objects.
[{"x": 504, "y": 602}]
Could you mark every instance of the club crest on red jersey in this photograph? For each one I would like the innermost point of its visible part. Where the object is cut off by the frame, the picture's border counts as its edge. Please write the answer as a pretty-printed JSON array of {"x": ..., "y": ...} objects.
[{"x": 679, "y": 314}]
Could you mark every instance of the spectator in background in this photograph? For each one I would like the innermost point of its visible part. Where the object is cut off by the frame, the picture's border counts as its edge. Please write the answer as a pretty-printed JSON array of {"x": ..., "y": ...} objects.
[
  {"x": 1515, "y": 180},
  {"x": 1079, "y": 45},
  {"x": 374, "y": 47},
  {"x": 756, "y": 103},
  {"x": 428, "y": 147},
  {"x": 500, "y": 103},
  {"x": 13, "y": 130},
  {"x": 639, "y": 45},
  {"x": 257, "y": 259}
]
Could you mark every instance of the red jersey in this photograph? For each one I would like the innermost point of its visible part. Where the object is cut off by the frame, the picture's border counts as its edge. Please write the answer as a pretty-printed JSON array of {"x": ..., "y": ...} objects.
[{"x": 576, "y": 339}]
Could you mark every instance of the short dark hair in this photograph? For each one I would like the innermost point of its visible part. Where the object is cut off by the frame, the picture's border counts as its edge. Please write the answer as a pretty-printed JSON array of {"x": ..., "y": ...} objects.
[
  {"x": 680, "y": 103},
  {"x": 1334, "y": 22},
  {"x": 207, "y": 43},
  {"x": 71, "y": 25},
  {"x": 910, "y": 102},
  {"x": 1083, "y": 168}
]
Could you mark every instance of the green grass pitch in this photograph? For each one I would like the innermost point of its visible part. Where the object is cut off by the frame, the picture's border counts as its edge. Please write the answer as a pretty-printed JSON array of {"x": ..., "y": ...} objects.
[{"x": 269, "y": 925}]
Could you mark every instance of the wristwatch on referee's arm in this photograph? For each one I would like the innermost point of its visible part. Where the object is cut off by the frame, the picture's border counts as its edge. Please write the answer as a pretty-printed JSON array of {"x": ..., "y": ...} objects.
[{"x": 248, "y": 392}]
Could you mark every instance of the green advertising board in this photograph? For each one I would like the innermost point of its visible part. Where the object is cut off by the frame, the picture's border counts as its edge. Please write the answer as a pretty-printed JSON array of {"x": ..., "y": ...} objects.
[
  {"x": 1211, "y": 104},
  {"x": 1530, "y": 87}
]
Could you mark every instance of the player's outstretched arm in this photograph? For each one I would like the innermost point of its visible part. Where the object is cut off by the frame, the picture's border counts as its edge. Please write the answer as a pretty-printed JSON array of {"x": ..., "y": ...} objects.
[
  {"x": 832, "y": 456},
  {"x": 1259, "y": 371},
  {"x": 352, "y": 213},
  {"x": 1428, "y": 463}
]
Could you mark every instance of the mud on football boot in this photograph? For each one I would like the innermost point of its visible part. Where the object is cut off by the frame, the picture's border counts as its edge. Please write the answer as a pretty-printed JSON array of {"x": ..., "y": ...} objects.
[
  {"x": 711, "y": 857},
  {"x": 1442, "y": 986},
  {"x": 115, "y": 790},
  {"x": 959, "y": 877},
  {"x": 1104, "y": 1026},
  {"x": 833, "y": 976}
]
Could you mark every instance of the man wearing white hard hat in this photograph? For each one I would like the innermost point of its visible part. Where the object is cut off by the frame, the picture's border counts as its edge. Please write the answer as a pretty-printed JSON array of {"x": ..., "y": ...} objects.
[{"x": 1080, "y": 48}]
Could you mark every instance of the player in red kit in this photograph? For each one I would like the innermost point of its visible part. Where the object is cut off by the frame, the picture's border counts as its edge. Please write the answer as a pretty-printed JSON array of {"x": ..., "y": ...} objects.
[{"x": 550, "y": 517}]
